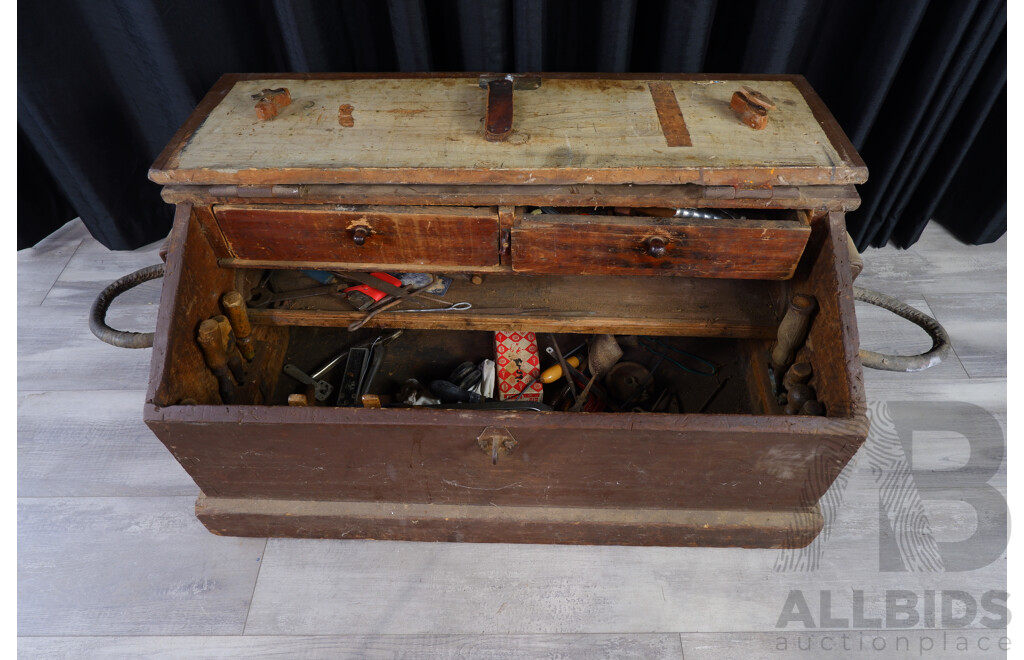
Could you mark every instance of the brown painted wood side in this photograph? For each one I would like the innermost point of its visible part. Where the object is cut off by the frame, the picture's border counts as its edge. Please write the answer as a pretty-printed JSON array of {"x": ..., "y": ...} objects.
[{"x": 402, "y": 521}]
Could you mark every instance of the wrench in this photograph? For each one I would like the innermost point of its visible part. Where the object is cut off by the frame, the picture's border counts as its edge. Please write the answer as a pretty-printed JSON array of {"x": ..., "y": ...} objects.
[{"x": 322, "y": 389}]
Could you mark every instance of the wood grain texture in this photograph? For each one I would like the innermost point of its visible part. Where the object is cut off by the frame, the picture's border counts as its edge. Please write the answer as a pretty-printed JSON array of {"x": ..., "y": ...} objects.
[
  {"x": 359, "y": 647},
  {"x": 673, "y": 124},
  {"x": 489, "y": 523},
  {"x": 571, "y": 131},
  {"x": 689, "y": 195},
  {"x": 92, "y": 443},
  {"x": 832, "y": 344},
  {"x": 396, "y": 235},
  {"x": 613, "y": 245},
  {"x": 193, "y": 284},
  {"x": 125, "y": 566},
  {"x": 567, "y": 303},
  {"x": 563, "y": 459}
]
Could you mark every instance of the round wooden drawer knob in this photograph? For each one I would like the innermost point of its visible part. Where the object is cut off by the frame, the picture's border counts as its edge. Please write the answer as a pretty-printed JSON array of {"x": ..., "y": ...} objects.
[
  {"x": 656, "y": 247},
  {"x": 359, "y": 234}
]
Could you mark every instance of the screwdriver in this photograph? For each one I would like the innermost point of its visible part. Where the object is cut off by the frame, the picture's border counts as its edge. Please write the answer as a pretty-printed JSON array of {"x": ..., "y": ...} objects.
[{"x": 551, "y": 374}]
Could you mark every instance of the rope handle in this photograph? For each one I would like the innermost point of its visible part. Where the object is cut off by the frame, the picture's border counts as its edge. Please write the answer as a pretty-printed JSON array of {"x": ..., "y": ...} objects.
[
  {"x": 906, "y": 363},
  {"x": 98, "y": 314}
]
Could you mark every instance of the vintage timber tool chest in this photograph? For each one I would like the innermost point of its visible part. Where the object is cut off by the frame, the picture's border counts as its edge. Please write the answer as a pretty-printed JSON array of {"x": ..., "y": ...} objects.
[{"x": 684, "y": 232}]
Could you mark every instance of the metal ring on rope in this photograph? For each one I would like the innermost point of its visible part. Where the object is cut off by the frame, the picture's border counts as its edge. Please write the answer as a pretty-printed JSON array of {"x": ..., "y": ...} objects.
[
  {"x": 98, "y": 315},
  {"x": 909, "y": 363}
]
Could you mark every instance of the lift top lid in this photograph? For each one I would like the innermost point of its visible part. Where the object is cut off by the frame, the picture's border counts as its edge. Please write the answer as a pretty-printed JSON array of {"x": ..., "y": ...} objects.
[{"x": 572, "y": 129}]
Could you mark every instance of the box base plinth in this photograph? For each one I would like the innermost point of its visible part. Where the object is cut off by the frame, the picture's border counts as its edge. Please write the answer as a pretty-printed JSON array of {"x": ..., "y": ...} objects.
[{"x": 401, "y": 521}]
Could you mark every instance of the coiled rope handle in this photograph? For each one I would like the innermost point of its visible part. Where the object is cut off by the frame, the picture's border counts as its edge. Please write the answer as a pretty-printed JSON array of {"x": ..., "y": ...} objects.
[
  {"x": 907, "y": 363},
  {"x": 98, "y": 315}
]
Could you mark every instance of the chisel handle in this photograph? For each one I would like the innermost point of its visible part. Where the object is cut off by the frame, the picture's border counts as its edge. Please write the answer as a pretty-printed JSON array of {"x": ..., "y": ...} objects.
[
  {"x": 235, "y": 309},
  {"x": 793, "y": 330},
  {"x": 211, "y": 341}
]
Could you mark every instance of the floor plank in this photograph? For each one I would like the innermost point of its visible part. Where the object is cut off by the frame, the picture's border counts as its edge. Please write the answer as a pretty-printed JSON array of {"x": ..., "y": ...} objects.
[
  {"x": 883, "y": 332},
  {"x": 92, "y": 444},
  {"x": 57, "y": 351},
  {"x": 40, "y": 265},
  {"x": 359, "y": 647},
  {"x": 308, "y": 586},
  {"x": 938, "y": 644},
  {"x": 937, "y": 264},
  {"x": 976, "y": 323},
  {"x": 129, "y": 566},
  {"x": 93, "y": 267}
]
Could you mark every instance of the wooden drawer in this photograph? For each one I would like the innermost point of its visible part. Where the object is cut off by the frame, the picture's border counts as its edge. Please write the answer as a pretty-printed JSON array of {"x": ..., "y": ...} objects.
[
  {"x": 367, "y": 235},
  {"x": 739, "y": 474},
  {"x": 623, "y": 245}
]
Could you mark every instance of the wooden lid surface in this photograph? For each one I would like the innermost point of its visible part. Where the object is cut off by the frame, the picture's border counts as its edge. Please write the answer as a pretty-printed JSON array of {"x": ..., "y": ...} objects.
[{"x": 428, "y": 129}]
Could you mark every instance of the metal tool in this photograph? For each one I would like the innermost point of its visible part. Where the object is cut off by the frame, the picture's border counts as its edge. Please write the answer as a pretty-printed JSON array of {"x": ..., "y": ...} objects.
[
  {"x": 377, "y": 352},
  {"x": 374, "y": 280},
  {"x": 352, "y": 379},
  {"x": 379, "y": 342},
  {"x": 261, "y": 297},
  {"x": 365, "y": 295},
  {"x": 321, "y": 388},
  {"x": 454, "y": 307},
  {"x": 384, "y": 306},
  {"x": 565, "y": 368}
]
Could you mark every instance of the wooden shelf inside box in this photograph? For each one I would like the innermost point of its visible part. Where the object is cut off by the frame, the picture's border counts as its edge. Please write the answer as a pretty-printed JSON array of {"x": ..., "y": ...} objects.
[{"x": 681, "y": 306}]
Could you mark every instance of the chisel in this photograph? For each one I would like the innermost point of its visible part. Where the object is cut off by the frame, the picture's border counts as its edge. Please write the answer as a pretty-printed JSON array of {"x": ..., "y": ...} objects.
[
  {"x": 235, "y": 309},
  {"x": 211, "y": 340}
]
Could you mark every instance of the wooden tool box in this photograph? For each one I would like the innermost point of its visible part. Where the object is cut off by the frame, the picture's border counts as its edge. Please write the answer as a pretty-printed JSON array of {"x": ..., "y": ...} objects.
[{"x": 444, "y": 174}]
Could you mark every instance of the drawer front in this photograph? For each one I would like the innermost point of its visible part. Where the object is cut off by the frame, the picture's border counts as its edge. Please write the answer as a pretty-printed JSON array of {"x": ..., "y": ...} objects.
[
  {"x": 621, "y": 245},
  {"x": 372, "y": 235}
]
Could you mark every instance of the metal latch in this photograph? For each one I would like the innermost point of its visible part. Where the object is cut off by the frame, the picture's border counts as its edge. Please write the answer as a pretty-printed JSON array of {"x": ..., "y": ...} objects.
[
  {"x": 497, "y": 441},
  {"x": 498, "y": 122}
]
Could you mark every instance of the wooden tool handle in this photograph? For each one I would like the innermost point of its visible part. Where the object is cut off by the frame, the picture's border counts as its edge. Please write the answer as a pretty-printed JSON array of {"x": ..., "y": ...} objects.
[
  {"x": 793, "y": 330},
  {"x": 234, "y": 308},
  {"x": 211, "y": 340}
]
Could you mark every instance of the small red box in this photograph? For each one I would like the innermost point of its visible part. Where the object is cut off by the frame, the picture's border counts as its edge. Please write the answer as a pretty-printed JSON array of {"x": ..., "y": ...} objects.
[{"x": 518, "y": 365}]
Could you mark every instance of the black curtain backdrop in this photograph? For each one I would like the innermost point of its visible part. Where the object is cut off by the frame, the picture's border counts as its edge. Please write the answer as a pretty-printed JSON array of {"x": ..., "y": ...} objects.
[{"x": 920, "y": 87}]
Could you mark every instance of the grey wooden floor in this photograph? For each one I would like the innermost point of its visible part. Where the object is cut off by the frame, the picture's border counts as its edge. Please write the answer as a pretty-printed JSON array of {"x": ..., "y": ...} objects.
[{"x": 112, "y": 562}]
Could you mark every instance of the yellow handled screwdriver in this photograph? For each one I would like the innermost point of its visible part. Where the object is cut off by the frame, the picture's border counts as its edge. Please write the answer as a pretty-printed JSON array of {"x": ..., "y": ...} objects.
[{"x": 551, "y": 374}]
